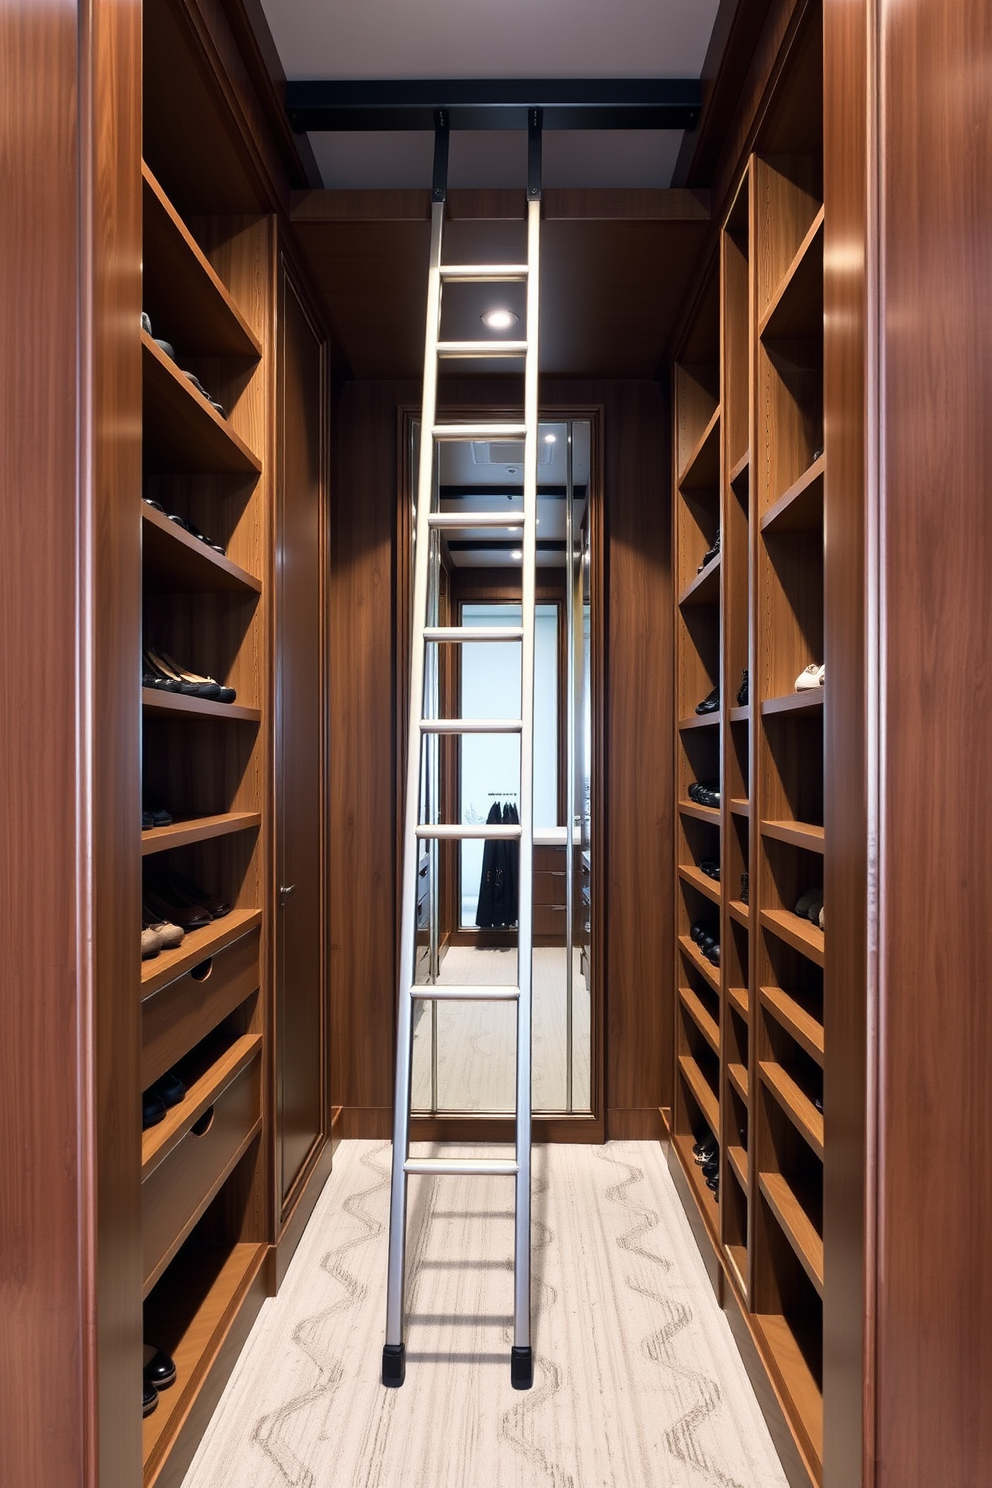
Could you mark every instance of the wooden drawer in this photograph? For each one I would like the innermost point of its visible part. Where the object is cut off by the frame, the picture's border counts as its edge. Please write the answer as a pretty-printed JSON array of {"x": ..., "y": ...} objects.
[
  {"x": 176, "y": 1018},
  {"x": 187, "y": 1157},
  {"x": 549, "y": 886},
  {"x": 549, "y": 920},
  {"x": 549, "y": 860}
]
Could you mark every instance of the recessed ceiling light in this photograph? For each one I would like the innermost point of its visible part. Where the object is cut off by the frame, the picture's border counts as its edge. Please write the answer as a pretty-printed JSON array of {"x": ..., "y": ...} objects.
[
  {"x": 549, "y": 438},
  {"x": 517, "y": 553},
  {"x": 499, "y": 319}
]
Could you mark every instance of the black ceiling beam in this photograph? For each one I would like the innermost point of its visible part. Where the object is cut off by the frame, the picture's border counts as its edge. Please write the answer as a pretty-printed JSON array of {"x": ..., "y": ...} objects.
[{"x": 495, "y": 103}]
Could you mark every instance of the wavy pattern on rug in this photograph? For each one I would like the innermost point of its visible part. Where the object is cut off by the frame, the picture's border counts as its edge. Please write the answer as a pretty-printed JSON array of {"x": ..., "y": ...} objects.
[
  {"x": 682, "y": 1439},
  {"x": 270, "y": 1431}
]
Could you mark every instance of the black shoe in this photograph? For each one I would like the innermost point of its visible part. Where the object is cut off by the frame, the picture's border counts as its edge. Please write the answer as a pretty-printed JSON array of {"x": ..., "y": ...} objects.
[
  {"x": 809, "y": 906},
  {"x": 149, "y": 1399},
  {"x": 170, "y": 885},
  {"x": 742, "y": 691},
  {"x": 711, "y": 1167},
  {"x": 710, "y": 703},
  {"x": 170, "y": 1088},
  {"x": 152, "y": 1109},
  {"x": 712, "y": 953},
  {"x": 706, "y": 1154},
  {"x": 701, "y": 1143},
  {"x": 710, "y": 554},
  {"x": 711, "y": 869},
  {"x": 159, "y": 1371},
  {"x": 147, "y": 821},
  {"x": 744, "y": 888},
  {"x": 713, "y": 1184}
]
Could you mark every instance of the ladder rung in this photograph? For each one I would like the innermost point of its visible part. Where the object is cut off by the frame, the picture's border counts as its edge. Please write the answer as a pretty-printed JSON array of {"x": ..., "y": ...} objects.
[
  {"x": 482, "y": 1167},
  {"x": 482, "y": 348},
  {"x": 466, "y": 633},
  {"x": 479, "y": 431},
  {"x": 485, "y": 273},
  {"x": 454, "y": 520},
  {"x": 465, "y": 994},
  {"x": 471, "y": 725},
  {"x": 467, "y": 832}
]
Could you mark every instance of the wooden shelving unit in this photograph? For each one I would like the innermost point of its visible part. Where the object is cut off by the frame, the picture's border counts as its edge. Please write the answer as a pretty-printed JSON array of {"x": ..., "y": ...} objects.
[
  {"x": 209, "y": 291},
  {"x": 750, "y": 465}
]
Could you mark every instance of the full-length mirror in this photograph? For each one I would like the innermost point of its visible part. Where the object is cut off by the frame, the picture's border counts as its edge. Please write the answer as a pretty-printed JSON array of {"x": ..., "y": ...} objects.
[{"x": 464, "y": 1052}]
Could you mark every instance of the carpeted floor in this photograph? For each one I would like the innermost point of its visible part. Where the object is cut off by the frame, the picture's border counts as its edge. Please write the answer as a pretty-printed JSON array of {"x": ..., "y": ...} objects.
[
  {"x": 638, "y": 1383},
  {"x": 477, "y": 1040}
]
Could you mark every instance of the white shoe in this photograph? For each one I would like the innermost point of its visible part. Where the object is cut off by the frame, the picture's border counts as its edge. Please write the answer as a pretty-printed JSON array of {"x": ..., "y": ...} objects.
[{"x": 810, "y": 678}]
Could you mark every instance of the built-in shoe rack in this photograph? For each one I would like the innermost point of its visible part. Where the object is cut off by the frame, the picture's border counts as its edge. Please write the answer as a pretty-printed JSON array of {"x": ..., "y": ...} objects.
[
  {"x": 205, "y": 1214},
  {"x": 749, "y": 480}
]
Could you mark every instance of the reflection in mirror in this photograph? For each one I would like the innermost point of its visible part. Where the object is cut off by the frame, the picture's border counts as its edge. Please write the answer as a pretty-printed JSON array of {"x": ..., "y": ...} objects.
[{"x": 464, "y": 1052}]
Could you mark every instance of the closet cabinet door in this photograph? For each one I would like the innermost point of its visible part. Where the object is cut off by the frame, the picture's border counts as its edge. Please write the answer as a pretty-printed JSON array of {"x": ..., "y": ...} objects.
[{"x": 301, "y": 534}]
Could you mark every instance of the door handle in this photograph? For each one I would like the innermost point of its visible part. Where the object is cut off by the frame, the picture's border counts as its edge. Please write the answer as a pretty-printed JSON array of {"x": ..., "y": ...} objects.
[{"x": 284, "y": 892}]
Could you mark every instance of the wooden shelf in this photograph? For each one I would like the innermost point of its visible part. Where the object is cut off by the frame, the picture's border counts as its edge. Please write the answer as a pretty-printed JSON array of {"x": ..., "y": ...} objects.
[
  {"x": 741, "y": 715},
  {"x": 701, "y": 881},
  {"x": 741, "y": 912},
  {"x": 177, "y": 703},
  {"x": 796, "y": 1226},
  {"x": 797, "y": 834},
  {"x": 740, "y": 999},
  {"x": 700, "y": 813},
  {"x": 197, "y": 946},
  {"x": 189, "y": 305},
  {"x": 176, "y": 562},
  {"x": 181, "y": 432},
  {"x": 702, "y": 469},
  {"x": 802, "y": 1396},
  {"x": 800, "y": 934},
  {"x": 701, "y": 1092},
  {"x": 199, "y": 1315},
  {"x": 800, "y": 508},
  {"x": 737, "y": 1260},
  {"x": 740, "y": 807},
  {"x": 737, "y": 1158},
  {"x": 697, "y": 721},
  {"x": 709, "y": 973},
  {"x": 705, "y": 1198},
  {"x": 197, "y": 829},
  {"x": 800, "y": 1110},
  {"x": 703, "y": 1020},
  {"x": 158, "y": 1141},
  {"x": 797, "y": 1022},
  {"x": 704, "y": 589},
  {"x": 794, "y": 702},
  {"x": 741, "y": 467},
  {"x": 796, "y": 307},
  {"x": 737, "y": 1075}
]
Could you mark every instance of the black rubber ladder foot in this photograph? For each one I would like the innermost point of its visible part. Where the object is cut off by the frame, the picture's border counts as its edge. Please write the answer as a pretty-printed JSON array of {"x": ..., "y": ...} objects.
[
  {"x": 393, "y": 1365},
  {"x": 521, "y": 1368}
]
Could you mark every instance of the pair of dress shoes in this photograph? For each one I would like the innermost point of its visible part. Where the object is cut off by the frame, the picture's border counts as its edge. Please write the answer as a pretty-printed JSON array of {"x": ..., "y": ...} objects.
[
  {"x": 708, "y": 943},
  {"x": 161, "y": 1097},
  {"x": 217, "y": 407},
  {"x": 705, "y": 1149},
  {"x": 184, "y": 523},
  {"x": 710, "y": 868},
  {"x": 170, "y": 352},
  {"x": 710, "y": 554},
  {"x": 161, "y": 672},
  {"x": 810, "y": 907},
  {"x": 172, "y": 897},
  {"x": 704, "y": 792},
  {"x": 158, "y": 1373},
  {"x": 710, "y": 703},
  {"x": 158, "y": 934}
]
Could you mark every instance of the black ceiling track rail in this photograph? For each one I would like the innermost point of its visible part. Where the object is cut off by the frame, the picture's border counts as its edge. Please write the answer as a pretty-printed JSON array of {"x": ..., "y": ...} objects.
[{"x": 495, "y": 103}]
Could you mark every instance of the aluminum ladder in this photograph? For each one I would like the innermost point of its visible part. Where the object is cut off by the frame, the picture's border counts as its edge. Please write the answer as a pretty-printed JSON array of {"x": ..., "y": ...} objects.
[{"x": 421, "y": 729}]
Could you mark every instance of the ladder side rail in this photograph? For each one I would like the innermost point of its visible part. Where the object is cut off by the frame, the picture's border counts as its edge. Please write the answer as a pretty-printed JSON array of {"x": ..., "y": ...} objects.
[{"x": 404, "y": 1042}]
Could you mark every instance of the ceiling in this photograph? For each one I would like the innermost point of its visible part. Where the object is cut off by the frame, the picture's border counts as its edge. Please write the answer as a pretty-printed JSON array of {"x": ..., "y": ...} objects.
[
  {"x": 379, "y": 39},
  {"x": 619, "y": 249}
]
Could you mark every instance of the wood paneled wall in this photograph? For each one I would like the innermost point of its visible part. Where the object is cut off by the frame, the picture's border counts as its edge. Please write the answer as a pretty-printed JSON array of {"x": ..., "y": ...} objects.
[
  {"x": 934, "y": 1289},
  {"x": 638, "y": 749},
  {"x": 70, "y": 471}
]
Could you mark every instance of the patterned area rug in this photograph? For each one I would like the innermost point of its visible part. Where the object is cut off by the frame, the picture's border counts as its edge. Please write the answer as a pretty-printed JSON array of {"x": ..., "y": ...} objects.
[{"x": 638, "y": 1383}]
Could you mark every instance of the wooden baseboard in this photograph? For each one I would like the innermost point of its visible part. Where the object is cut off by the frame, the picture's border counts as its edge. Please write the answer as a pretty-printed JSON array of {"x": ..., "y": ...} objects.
[
  {"x": 502, "y": 1129},
  {"x": 295, "y": 1222},
  {"x": 371, "y": 1123},
  {"x": 335, "y": 1128},
  {"x": 633, "y": 1124}
]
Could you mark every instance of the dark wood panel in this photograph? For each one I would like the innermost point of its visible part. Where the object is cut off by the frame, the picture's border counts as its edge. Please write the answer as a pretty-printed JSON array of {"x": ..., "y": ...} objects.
[
  {"x": 301, "y": 538},
  {"x": 848, "y": 1170},
  {"x": 934, "y": 1344}
]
